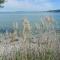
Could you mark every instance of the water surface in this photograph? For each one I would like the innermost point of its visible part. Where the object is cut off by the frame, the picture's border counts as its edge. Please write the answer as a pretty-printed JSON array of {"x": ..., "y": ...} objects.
[{"x": 7, "y": 19}]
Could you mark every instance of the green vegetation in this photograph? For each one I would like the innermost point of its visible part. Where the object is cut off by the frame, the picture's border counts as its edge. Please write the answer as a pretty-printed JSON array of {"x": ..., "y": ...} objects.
[{"x": 1, "y": 2}]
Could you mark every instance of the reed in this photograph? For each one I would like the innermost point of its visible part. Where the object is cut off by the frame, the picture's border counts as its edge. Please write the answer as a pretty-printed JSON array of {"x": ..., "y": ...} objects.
[
  {"x": 6, "y": 35},
  {"x": 40, "y": 44}
]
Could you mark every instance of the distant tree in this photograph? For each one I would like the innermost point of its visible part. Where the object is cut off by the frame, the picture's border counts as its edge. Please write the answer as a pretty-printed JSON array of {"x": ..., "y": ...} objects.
[{"x": 1, "y": 2}]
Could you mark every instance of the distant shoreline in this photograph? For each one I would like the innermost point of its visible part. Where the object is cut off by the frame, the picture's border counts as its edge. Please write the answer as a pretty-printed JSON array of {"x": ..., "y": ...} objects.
[
  {"x": 32, "y": 11},
  {"x": 53, "y": 11}
]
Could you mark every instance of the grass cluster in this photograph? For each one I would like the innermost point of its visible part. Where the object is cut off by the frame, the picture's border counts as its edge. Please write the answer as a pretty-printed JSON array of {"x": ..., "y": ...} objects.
[{"x": 42, "y": 43}]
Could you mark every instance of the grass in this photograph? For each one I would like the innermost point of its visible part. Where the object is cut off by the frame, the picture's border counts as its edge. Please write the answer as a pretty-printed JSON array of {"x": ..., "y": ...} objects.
[{"x": 40, "y": 44}]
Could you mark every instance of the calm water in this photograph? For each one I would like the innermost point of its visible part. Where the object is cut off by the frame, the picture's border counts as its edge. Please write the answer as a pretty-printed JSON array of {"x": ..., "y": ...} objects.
[{"x": 7, "y": 19}]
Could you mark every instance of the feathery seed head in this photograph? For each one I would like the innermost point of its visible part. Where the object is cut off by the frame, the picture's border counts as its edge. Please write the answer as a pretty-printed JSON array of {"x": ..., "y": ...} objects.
[
  {"x": 15, "y": 26},
  {"x": 49, "y": 19},
  {"x": 37, "y": 26},
  {"x": 42, "y": 21},
  {"x": 26, "y": 24},
  {"x": 6, "y": 35},
  {"x": 15, "y": 36}
]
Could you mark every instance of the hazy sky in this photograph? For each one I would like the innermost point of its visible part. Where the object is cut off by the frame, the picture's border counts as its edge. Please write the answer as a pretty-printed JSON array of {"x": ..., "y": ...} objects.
[{"x": 30, "y": 5}]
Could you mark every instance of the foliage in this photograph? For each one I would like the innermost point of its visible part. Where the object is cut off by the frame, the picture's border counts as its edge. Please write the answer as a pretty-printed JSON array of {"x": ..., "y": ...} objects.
[{"x": 1, "y": 2}]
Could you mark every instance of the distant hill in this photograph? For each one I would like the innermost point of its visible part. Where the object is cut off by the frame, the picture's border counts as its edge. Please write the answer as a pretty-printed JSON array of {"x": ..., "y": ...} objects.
[
  {"x": 32, "y": 11},
  {"x": 54, "y": 10}
]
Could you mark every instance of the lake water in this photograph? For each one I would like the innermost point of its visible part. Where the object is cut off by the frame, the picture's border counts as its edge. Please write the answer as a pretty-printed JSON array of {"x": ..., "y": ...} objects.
[{"x": 7, "y": 19}]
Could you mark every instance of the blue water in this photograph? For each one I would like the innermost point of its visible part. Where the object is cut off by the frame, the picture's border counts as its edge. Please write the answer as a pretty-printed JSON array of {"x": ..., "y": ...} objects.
[{"x": 7, "y": 19}]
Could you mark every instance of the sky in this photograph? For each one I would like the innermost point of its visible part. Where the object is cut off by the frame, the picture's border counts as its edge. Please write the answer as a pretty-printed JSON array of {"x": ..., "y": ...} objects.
[{"x": 30, "y": 5}]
